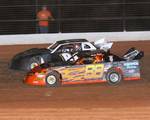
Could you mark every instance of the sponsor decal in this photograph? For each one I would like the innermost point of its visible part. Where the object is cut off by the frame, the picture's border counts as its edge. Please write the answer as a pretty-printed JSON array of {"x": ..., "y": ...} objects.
[
  {"x": 131, "y": 64},
  {"x": 130, "y": 71},
  {"x": 131, "y": 67}
]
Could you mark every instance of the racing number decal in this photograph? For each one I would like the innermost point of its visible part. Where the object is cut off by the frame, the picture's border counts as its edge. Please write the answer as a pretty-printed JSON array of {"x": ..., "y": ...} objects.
[
  {"x": 94, "y": 71},
  {"x": 99, "y": 70}
]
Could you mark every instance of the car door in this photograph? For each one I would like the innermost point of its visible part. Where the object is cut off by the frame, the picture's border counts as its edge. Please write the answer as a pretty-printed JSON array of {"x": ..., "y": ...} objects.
[
  {"x": 72, "y": 73},
  {"x": 78, "y": 73}
]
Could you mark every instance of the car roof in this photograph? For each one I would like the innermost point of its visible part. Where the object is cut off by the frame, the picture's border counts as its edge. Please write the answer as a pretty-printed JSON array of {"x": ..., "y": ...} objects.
[{"x": 71, "y": 40}]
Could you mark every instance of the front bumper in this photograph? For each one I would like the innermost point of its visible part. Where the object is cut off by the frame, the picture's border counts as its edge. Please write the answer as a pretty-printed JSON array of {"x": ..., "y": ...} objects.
[{"x": 35, "y": 79}]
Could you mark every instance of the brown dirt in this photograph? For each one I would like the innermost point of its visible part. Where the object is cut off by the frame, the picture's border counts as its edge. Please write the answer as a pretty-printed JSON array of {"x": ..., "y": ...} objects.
[{"x": 128, "y": 101}]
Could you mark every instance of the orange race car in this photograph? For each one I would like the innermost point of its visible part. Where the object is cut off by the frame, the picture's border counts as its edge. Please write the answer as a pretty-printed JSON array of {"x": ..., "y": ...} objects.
[{"x": 92, "y": 69}]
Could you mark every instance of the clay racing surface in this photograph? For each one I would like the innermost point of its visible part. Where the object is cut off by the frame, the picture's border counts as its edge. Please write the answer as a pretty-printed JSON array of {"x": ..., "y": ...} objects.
[{"x": 128, "y": 101}]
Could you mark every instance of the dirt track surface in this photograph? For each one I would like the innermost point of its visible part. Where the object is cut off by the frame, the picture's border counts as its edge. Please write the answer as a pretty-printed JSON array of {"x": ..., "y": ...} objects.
[{"x": 128, "y": 101}]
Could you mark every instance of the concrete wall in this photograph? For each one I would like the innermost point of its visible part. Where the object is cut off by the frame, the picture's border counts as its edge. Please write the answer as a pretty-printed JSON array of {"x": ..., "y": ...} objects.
[{"x": 50, "y": 38}]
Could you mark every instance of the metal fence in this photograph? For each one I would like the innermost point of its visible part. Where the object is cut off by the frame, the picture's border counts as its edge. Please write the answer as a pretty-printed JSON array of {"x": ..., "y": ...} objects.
[{"x": 19, "y": 16}]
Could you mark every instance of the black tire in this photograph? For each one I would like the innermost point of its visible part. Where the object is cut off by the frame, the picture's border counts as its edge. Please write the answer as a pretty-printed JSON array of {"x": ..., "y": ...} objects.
[
  {"x": 53, "y": 79},
  {"x": 113, "y": 77}
]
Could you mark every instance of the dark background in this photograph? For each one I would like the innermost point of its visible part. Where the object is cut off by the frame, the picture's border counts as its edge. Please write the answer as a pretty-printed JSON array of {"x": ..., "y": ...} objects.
[{"x": 19, "y": 16}]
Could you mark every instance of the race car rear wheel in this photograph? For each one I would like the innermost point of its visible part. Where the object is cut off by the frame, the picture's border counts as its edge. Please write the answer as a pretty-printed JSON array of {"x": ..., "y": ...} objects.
[
  {"x": 113, "y": 77},
  {"x": 52, "y": 79}
]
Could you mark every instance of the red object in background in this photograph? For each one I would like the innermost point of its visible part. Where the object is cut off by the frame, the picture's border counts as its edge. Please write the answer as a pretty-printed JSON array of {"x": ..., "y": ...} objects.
[{"x": 43, "y": 17}]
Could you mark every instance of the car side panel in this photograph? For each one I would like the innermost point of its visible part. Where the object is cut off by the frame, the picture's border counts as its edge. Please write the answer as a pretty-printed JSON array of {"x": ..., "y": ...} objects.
[
  {"x": 129, "y": 69},
  {"x": 84, "y": 73},
  {"x": 91, "y": 73},
  {"x": 72, "y": 73},
  {"x": 96, "y": 72}
]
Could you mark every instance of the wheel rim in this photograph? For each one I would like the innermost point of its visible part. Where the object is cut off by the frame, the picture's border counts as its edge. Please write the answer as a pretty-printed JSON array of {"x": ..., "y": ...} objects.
[
  {"x": 51, "y": 79},
  {"x": 114, "y": 77},
  {"x": 33, "y": 65}
]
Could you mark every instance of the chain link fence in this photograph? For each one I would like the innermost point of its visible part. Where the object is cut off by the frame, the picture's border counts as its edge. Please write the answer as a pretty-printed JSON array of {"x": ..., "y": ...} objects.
[{"x": 19, "y": 16}]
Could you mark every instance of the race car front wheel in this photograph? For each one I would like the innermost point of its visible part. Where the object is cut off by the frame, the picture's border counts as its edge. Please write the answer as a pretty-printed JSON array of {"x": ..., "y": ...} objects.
[
  {"x": 113, "y": 77},
  {"x": 33, "y": 62},
  {"x": 53, "y": 79}
]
